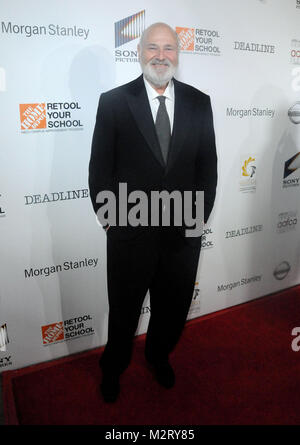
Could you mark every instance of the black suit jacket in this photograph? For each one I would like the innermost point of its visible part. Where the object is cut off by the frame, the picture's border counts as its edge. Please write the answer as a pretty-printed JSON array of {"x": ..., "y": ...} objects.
[{"x": 125, "y": 147}]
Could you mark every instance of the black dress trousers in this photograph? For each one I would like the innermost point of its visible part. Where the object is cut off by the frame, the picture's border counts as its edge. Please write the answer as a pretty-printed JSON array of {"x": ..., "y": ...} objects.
[{"x": 159, "y": 260}]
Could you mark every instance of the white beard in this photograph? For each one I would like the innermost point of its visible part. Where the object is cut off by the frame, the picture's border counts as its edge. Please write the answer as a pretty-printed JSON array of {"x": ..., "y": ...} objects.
[{"x": 158, "y": 77}]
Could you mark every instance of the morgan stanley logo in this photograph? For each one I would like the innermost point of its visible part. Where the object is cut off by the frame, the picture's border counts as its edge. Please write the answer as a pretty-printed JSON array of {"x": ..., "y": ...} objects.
[
  {"x": 129, "y": 28},
  {"x": 186, "y": 205}
]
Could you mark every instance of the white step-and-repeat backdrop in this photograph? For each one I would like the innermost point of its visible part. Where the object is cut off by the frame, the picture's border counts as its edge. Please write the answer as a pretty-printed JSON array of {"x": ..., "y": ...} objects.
[{"x": 56, "y": 58}]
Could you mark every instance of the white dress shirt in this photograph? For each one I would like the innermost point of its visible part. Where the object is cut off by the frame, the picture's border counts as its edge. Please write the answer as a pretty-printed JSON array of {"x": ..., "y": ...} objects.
[{"x": 154, "y": 102}]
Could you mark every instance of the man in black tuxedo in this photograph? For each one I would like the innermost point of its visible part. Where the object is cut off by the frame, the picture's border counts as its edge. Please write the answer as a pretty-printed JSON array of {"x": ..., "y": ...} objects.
[{"x": 154, "y": 133}]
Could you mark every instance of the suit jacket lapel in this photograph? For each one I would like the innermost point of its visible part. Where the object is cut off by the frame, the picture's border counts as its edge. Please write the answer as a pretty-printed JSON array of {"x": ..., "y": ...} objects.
[{"x": 139, "y": 105}]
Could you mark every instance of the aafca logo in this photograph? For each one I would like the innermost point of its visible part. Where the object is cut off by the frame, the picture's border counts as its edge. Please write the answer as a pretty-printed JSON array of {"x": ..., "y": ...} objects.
[
  {"x": 248, "y": 175},
  {"x": 298, "y": 4},
  {"x": 287, "y": 221},
  {"x": 198, "y": 41},
  {"x": 66, "y": 330},
  {"x": 50, "y": 116}
]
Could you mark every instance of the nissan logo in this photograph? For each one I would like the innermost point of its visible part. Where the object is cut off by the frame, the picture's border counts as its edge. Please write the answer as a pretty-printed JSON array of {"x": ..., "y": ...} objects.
[
  {"x": 282, "y": 270},
  {"x": 294, "y": 113}
]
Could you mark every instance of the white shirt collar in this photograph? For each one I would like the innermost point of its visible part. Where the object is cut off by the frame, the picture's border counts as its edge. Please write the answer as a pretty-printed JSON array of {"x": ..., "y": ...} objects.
[{"x": 152, "y": 93}]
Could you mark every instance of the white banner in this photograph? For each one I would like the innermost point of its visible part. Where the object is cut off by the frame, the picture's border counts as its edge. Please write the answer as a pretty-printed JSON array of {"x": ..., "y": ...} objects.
[{"x": 55, "y": 60}]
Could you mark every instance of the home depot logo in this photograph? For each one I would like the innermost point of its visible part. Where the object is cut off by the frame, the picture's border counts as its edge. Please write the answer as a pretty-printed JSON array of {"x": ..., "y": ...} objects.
[
  {"x": 33, "y": 116},
  {"x": 53, "y": 332},
  {"x": 186, "y": 38}
]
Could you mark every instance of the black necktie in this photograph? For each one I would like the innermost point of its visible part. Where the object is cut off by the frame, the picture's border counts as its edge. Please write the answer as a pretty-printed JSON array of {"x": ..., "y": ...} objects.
[{"x": 163, "y": 128}]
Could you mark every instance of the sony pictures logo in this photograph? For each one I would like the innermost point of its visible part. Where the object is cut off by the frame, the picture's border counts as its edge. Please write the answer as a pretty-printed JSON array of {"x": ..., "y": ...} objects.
[
  {"x": 127, "y": 30},
  {"x": 3, "y": 337},
  {"x": 291, "y": 166},
  {"x": 6, "y": 360},
  {"x": 2, "y": 211}
]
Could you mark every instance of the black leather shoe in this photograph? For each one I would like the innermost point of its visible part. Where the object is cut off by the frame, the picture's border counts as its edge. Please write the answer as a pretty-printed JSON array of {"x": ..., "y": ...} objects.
[
  {"x": 163, "y": 373},
  {"x": 110, "y": 388}
]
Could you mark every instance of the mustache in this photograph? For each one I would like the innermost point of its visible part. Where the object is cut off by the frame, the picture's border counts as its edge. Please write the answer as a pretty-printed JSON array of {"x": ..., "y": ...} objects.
[{"x": 160, "y": 62}]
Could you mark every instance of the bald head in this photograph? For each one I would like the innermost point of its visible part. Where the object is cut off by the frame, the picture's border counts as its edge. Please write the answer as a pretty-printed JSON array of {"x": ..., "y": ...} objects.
[{"x": 159, "y": 26}]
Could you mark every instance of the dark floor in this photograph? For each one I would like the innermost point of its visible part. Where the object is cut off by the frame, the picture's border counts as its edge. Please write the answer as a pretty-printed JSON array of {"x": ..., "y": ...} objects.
[{"x": 1, "y": 404}]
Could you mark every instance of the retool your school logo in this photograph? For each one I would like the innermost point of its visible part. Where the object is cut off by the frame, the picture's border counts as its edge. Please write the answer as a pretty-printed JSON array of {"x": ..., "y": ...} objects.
[
  {"x": 199, "y": 41},
  {"x": 67, "y": 330},
  {"x": 50, "y": 116}
]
